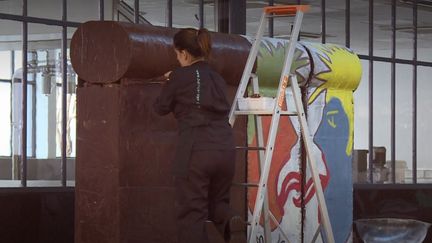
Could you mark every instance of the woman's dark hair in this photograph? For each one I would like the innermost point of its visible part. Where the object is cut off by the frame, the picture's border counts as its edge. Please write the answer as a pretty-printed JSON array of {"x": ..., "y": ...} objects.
[{"x": 196, "y": 42}]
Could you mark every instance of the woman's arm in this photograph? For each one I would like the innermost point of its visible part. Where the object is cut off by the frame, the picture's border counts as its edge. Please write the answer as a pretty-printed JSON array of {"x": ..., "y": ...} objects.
[{"x": 164, "y": 104}]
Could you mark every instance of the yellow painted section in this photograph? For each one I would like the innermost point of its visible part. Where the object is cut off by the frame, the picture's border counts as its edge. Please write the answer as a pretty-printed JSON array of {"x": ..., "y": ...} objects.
[{"x": 339, "y": 81}]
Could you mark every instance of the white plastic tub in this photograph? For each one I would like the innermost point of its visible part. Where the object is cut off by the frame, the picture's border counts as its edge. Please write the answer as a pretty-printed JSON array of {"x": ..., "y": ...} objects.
[{"x": 262, "y": 103}]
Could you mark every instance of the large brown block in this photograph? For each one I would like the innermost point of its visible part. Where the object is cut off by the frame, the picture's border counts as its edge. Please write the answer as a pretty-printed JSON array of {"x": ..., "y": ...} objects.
[{"x": 124, "y": 187}]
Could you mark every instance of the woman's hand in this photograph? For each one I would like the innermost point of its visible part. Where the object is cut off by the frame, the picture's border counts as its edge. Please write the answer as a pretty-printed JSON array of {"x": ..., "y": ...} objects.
[
  {"x": 167, "y": 75},
  {"x": 162, "y": 79}
]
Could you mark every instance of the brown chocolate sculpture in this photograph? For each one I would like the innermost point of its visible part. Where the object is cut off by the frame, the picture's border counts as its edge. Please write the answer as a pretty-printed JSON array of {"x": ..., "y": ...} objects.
[
  {"x": 105, "y": 52},
  {"x": 124, "y": 187}
]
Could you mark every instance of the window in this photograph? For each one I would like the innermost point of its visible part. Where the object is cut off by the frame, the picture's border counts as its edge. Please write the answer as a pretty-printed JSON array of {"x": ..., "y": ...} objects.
[
  {"x": 44, "y": 46},
  {"x": 5, "y": 119}
]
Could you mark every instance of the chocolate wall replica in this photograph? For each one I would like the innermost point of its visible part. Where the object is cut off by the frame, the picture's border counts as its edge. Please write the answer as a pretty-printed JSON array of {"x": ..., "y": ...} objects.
[{"x": 124, "y": 190}]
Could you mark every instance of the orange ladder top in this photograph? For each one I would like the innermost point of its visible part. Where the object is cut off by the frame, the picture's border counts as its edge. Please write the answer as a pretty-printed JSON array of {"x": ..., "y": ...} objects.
[{"x": 286, "y": 9}]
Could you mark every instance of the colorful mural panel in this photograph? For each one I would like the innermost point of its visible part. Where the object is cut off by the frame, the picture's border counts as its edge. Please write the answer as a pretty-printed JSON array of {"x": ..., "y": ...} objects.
[
  {"x": 329, "y": 83},
  {"x": 336, "y": 74}
]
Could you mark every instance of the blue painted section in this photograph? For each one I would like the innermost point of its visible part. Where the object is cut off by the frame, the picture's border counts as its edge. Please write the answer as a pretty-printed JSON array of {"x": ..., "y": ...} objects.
[{"x": 332, "y": 137}]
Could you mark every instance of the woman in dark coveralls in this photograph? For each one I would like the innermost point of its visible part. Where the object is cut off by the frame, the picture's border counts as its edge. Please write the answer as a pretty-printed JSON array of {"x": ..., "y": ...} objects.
[{"x": 205, "y": 154}]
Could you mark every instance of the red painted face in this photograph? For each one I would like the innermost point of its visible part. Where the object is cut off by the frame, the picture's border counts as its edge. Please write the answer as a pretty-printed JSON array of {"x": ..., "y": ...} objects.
[{"x": 286, "y": 139}]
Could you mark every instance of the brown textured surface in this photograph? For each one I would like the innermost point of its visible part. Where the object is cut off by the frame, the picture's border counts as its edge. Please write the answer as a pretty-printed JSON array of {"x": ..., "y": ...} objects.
[
  {"x": 106, "y": 51},
  {"x": 147, "y": 140},
  {"x": 97, "y": 165},
  {"x": 124, "y": 187}
]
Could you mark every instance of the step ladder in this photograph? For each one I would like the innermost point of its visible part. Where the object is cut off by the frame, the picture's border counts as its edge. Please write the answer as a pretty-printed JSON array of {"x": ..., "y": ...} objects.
[{"x": 266, "y": 152}]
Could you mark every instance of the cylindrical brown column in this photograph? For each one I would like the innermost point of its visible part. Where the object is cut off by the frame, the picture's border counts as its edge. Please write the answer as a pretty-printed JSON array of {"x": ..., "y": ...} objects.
[{"x": 105, "y": 51}]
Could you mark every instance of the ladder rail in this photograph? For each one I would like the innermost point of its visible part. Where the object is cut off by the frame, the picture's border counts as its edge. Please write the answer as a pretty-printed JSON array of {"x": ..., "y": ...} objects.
[
  {"x": 317, "y": 232},
  {"x": 262, "y": 189},
  {"x": 248, "y": 70},
  {"x": 280, "y": 228},
  {"x": 311, "y": 162},
  {"x": 259, "y": 132},
  {"x": 283, "y": 82}
]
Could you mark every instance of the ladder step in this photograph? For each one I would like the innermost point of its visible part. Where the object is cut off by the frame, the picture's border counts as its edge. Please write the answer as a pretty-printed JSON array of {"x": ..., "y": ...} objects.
[
  {"x": 245, "y": 184},
  {"x": 264, "y": 113},
  {"x": 250, "y": 148},
  {"x": 280, "y": 16}
]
